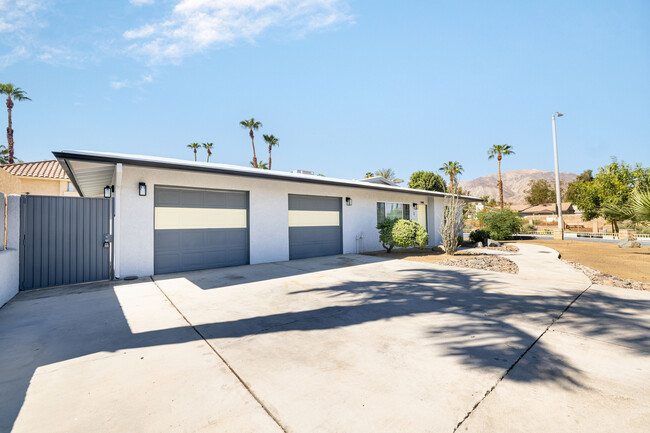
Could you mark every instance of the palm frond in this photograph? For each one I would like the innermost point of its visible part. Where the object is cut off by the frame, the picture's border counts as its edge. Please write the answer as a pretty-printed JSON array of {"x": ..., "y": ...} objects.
[{"x": 640, "y": 204}]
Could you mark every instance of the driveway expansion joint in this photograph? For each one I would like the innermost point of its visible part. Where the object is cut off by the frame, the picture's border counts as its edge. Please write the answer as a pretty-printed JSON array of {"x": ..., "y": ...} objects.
[
  {"x": 232, "y": 370},
  {"x": 507, "y": 372}
]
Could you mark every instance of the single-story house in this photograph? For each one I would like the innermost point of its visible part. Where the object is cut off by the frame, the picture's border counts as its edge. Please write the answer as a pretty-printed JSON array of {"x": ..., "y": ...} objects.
[
  {"x": 545, "y": 209},
  {"x": 173, "y": 215},
  {"x": 36, "y": 178}
]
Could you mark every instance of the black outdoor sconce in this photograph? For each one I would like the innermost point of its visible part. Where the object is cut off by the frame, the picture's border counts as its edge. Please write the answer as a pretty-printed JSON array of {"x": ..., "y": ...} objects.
[
  {"x": 415, "y": 206},
  {"x": 142, "y": 189},
  {"x": 348, "y": 201},
  {"x": 107, "y": 191}
]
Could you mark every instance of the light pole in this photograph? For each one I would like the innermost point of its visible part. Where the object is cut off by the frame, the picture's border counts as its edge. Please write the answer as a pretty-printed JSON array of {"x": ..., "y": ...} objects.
[{"x": 558, "y": 198}]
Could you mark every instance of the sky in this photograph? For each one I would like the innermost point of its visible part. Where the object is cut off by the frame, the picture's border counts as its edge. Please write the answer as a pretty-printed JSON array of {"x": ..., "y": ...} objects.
[{"x": 347, "y": 86}]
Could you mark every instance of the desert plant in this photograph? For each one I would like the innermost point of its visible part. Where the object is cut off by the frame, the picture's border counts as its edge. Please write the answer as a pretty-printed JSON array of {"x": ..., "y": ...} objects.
[
  {"x": 460, "y": 240},
  {"x": 452, "y": 223},
  {"x": 501, "y": 223},
  {"x": 406, "y": 233},
  {"x": 479, "y": 235}
]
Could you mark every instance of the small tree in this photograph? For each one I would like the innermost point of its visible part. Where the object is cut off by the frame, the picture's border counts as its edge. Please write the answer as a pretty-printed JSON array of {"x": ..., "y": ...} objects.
[
  {"x": 501, "y": 223},
  {"x": 452, "y": 223}
]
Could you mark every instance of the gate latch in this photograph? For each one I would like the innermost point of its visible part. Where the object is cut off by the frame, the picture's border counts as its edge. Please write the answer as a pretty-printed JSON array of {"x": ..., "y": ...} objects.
[{"x": 107, "y": 241}]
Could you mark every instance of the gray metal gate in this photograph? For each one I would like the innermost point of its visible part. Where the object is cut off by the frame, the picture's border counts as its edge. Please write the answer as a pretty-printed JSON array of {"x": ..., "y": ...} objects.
[{"x": 63, "y": 240}]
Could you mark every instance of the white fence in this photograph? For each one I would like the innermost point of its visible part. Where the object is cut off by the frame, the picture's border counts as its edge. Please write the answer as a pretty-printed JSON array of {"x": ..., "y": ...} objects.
[
  {"x": 9, "y": 252},
  {"x": 569, "y": 234}
]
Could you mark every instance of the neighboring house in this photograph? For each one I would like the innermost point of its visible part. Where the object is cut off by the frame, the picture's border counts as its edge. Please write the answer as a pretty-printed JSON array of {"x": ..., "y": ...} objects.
[
  {"x": 174, "y": 215},
  {"x": 546, "y": 209},
  {"x": 36, "y": 178}
]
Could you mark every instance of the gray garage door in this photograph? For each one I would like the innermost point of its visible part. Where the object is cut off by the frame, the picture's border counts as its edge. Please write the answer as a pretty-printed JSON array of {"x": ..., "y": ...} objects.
[
  {"x": 199, "y": 229},
  {"x": 314, "y": 226}
]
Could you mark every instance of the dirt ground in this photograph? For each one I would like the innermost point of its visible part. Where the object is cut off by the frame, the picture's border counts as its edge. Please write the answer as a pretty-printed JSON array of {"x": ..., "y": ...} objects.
[
  {"x": 624, "y": 263},
  {"x": 417, "y": 255}
]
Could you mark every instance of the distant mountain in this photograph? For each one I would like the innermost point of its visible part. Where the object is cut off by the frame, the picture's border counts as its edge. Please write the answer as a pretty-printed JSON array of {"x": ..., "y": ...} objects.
[{"x": 514, "y": 183}]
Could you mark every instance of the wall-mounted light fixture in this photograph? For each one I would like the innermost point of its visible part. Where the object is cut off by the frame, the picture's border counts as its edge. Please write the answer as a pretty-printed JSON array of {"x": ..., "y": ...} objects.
[
  {"x": 415, "y": 205},
  {"x": 107, "y": 191},
  {"x": 142, "y": 189},
  {"x": 348, "y": 201}
]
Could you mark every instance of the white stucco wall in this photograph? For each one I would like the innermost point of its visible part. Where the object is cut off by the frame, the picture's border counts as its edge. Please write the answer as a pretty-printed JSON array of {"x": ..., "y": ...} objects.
[
  {"x": 9, "y": 265},
  {"x": 269, "y": 226}
]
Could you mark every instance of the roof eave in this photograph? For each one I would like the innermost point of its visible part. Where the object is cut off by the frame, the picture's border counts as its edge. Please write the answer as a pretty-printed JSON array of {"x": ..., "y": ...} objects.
[{"x": 63, "y": 156}]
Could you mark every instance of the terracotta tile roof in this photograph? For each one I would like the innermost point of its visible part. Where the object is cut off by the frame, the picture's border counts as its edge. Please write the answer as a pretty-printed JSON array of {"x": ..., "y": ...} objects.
[{"x": 41, "y": 169}]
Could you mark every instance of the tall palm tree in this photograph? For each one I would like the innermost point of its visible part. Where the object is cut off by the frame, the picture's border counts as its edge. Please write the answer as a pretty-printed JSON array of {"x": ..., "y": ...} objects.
[
  {"x": 251, "y": 125},
  {"x": 451, "y": 169},
  {"x": 500, "y": 150},
  {"x": 208, "y": 147},
  {"x": 271, "y": 140},
  {"x": 194, "y": 147},
  {"x": 13, "y": 94},
  {"x": 389, "y": 174}
]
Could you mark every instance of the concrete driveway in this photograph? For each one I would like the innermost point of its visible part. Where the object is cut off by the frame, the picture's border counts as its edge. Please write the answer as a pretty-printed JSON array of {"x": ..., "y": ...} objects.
[{"x": 339, "y": 344}]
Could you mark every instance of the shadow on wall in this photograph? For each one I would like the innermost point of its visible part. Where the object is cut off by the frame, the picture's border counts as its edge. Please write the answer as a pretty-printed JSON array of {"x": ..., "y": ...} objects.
[{"x": 478, "y": 326}]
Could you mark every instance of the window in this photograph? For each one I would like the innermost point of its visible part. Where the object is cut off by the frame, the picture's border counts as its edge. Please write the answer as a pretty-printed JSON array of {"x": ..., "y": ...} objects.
[
  {"x": 71, "y": 187},
  {"x": 393, "y": 210}
]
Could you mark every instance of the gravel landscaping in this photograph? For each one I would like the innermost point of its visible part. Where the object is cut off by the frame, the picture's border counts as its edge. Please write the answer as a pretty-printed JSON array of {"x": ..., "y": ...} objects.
[
  {"x": 483, "y": 262},
  {"x": 598, "y": 277}
]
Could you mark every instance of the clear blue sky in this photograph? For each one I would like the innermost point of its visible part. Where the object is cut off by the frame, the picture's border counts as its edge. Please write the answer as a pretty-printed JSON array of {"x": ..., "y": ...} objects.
[{"x": 347, "y": 86}]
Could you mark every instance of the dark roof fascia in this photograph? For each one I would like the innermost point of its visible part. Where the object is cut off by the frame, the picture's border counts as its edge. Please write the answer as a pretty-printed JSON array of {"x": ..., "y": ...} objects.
[{"x": 217, "y": 170}]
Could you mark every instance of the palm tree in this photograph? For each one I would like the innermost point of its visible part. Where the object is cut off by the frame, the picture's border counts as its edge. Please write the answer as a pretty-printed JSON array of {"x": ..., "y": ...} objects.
[
  {"x": 499, "y": 150},
  {"x": 262, "y": 165},
  {"x": 369, "y": 174},
  {"x": 208, "y": 147},
  {"x": 451, "y": 169},
  {"x": 251, "y": 125},
  {"x": 271, "y": 140},
  {"x": 194, "y": 147},
  {"x": 389, "y": 174},
  {"x": 13, "y": 94}
]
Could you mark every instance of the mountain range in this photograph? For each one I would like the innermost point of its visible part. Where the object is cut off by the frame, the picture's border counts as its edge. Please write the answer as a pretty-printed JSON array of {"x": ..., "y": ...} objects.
[{"x": 515, "y": 182}]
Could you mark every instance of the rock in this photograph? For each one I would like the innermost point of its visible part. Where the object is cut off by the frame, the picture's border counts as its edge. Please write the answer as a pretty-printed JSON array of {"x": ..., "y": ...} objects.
[
  {"x": 627, "y": 243},
  {"x": 479, "y": 245},
  {"x": 491, "y": 243}
]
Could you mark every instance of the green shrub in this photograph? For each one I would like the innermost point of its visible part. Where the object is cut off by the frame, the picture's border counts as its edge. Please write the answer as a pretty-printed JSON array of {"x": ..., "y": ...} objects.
[
  {"x": 460, "y": 240},
  {"x": 529, "y": 228},
  {"x": 479, "y": 235},
  {"x": 385, "y": 228},
  {"x": 501, "y": 223},
  {"x": 409, "y": 234}
]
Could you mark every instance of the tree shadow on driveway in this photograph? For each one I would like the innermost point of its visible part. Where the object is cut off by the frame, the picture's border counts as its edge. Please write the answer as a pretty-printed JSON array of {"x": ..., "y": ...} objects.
[{"x": 475, "y": 318}]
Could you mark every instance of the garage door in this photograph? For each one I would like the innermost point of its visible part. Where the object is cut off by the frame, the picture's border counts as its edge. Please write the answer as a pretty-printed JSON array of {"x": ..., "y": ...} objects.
[
  {"x": 199, "y": 229},
  {"x": 314, "y": 226}
]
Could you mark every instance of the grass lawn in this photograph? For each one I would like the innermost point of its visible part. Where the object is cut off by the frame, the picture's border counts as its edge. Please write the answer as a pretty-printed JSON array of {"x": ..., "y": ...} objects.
[{"x": 624, "y": 263}]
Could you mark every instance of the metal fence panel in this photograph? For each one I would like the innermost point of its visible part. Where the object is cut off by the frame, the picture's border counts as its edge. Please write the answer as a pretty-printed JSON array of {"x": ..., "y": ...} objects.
[{"x": 62, "y": 240}]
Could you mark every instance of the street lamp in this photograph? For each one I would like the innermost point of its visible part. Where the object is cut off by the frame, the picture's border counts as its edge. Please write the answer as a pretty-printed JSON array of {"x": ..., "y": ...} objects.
[{"x": 558, "y": 198}]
